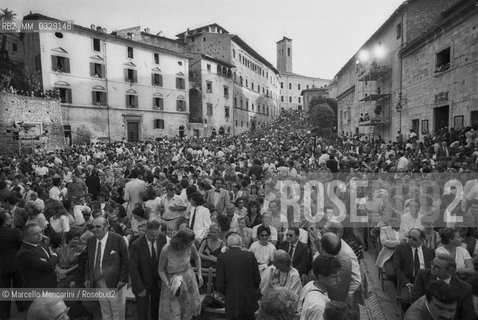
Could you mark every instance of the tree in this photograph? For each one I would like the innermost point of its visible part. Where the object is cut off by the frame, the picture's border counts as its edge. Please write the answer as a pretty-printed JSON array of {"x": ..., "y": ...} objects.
[
  {"x": 322, "y": 115},
  {"x": 7, "y": 15}
]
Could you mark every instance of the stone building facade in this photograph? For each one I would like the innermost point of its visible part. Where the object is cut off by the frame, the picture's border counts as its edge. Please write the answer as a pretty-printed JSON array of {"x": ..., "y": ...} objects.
[
  {"x": 118, "y": 87},
  {"x": 292, "y": 84},
  {"x": 440, "y": 68},
  {"x": 255, "y": 88},
  {"x": 369, "y": 85},
  {"x": 24, "y": 120},
  {"x": 210, "y": 96}
]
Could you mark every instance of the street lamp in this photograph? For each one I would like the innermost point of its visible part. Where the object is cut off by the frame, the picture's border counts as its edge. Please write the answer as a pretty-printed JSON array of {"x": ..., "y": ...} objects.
[{"x": 399, "y": 108}]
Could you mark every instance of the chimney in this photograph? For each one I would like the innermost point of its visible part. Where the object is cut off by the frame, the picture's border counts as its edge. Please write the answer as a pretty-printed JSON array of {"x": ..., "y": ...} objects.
[
  {"x": 93, "y": 27},
  {"x": 98, "y": 28},
  {"x": 146, "y": 30},
  {"x": 186, "y": 34},
  {"x": 104, "y": 30}
]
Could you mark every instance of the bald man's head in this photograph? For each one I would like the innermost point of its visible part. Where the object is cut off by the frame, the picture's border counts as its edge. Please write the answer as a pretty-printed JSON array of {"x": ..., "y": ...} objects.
[
  {"x": 334, "y": 227},
  {"x": 330, "y": 243}
]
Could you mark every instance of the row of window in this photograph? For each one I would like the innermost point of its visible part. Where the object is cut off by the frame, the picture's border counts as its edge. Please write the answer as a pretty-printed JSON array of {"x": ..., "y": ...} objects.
[
  {"x": 99, "y": 98},
  {"x": 210, "y": 112},
  {"x": 246, "y": 82},
  {"x": 62, "y": 64},
  {"x": 253, "y": 66},
  {"x": 224, "y": 71},
  {"x": 290, "y": 86},
  {"x": 209, "y": 89},
  {"x": 129, "y": 50},
  {"x": 290, "y": 99},
  {"x": 264, "y": 110}
]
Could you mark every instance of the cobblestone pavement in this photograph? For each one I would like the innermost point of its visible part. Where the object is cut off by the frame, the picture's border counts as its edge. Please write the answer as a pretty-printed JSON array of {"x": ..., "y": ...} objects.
[{"x": 381, "y": 304}]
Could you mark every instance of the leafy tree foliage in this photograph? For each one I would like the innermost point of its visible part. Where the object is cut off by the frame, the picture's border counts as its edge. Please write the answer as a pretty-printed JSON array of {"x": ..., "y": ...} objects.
[{"x": 322, "y": 116}]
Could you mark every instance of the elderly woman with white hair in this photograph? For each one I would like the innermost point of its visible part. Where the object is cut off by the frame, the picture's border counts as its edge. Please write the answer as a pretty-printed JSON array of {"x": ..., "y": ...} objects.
[{"x": 281, "y": 274}]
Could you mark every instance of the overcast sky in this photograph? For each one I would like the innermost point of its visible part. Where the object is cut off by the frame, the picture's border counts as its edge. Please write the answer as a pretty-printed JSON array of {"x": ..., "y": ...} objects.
[{"x": 325, "y": 33}]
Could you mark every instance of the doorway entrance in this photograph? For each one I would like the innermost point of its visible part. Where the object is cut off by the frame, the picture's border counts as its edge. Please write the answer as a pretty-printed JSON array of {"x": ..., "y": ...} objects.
[
  {"x": 133, "y": 131},
  {"x": 474, "y": 119},
  {"x": 441, "y": 116},
  {"x": 181, "y": 131}
]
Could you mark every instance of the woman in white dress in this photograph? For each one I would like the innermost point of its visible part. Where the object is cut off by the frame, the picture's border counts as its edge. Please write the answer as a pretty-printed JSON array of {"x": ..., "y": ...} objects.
[
  {"x": 263, "y": 250},
  {"x": 452, "y": 245}
]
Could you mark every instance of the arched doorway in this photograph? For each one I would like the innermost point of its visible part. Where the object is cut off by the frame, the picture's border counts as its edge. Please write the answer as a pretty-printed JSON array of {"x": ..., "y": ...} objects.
[
  {"x": 181, "y": 131},
  {"x": 221, "y": 131}
]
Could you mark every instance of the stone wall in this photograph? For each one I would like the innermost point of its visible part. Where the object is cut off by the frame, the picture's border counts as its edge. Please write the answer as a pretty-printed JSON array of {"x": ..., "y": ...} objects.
[
  {"x": 30, "y": 111},
  {"x": 425, "y": 88}
]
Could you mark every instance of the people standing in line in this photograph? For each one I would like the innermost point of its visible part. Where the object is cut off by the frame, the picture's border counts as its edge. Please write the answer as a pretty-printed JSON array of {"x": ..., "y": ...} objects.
[
  {"x": 107, "y": 268},
  {"x": 143, "y": 266},
  {"x": 238, "y": 278},
  {"x": 10, "y": 242},
  {"x": 134, "y": 191},
  {"x": 200, "y": 217},
  {"x": 179, "y": 288},
  {"x": 36, "y": 262}
]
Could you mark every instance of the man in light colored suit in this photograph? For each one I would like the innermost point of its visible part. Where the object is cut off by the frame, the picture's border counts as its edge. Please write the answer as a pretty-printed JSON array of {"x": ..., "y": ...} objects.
[
  {"x": 218, "y": 196},
  {"x": 346, "y": 250},
  {"x": 107, "y": 268},
  {"x": 200, "y": 217},
  {"x": 134, "y": 191}
]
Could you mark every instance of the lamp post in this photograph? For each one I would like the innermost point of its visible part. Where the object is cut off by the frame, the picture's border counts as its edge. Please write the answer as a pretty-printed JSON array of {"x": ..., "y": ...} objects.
[{"x": 399, "y": 108}]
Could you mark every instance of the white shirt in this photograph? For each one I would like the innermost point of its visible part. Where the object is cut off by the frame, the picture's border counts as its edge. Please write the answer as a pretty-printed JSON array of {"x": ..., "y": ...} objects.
[
  {"x": 348, "y": 252},
  {"x": 273, "y": 233},
  {"x": 420, "y": 257},
  {"x": 103, "y": 245},
  {"x": 312, "y": 303},
  {"x": 150, "y": 243},
  {"x": 408, "y": 222}
]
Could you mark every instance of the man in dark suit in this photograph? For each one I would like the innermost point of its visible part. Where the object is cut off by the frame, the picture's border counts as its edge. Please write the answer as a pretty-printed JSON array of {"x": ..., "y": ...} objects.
[
  {"x": 18, "y": 215},
  {"x": 238, "y": 278},
  {"x": 297, "y": 251},
  {"x": 107, "y": 268},
  {"x": 36, "y": 262},
  {"x": 10, "y": 242},
  {"x": 143, "y": 265},
  {"x": 410, "y": 257},
  {"x": 443, "y": 268},
  {"x": 218, "y": 197}
]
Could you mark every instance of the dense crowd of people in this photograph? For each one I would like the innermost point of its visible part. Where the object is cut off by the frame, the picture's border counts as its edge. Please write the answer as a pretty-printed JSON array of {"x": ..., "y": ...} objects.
[{"x": 147, "y": 218}]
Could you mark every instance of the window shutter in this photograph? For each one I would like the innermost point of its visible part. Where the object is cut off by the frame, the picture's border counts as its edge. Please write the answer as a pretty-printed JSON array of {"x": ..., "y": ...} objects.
[
  {"x": 67, "y": 65},
  {"x": 161, "y": 104},
  {"x": 152, "y": 79},
  {"x": 53, "y": 63},
  {"x": 68, "y": 95},
  {"x": 92, "y": 69},
  {"x": 135, "y": 76},
  {"x": 136, "y": 104},
  {"x": 126, "y": 75},
  {"x": 177, "y": 83},
  {"x": 160, "y": 80},
  {"x": 93, "y": 97},
  {"x": 127, "y": 101},
  {"x": 103, "y": 71},
  {"x": 103, "y": 98}
]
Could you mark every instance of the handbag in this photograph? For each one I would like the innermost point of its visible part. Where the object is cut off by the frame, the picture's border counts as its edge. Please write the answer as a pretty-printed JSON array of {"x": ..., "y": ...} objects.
[{"x": 214, "y": 300}]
